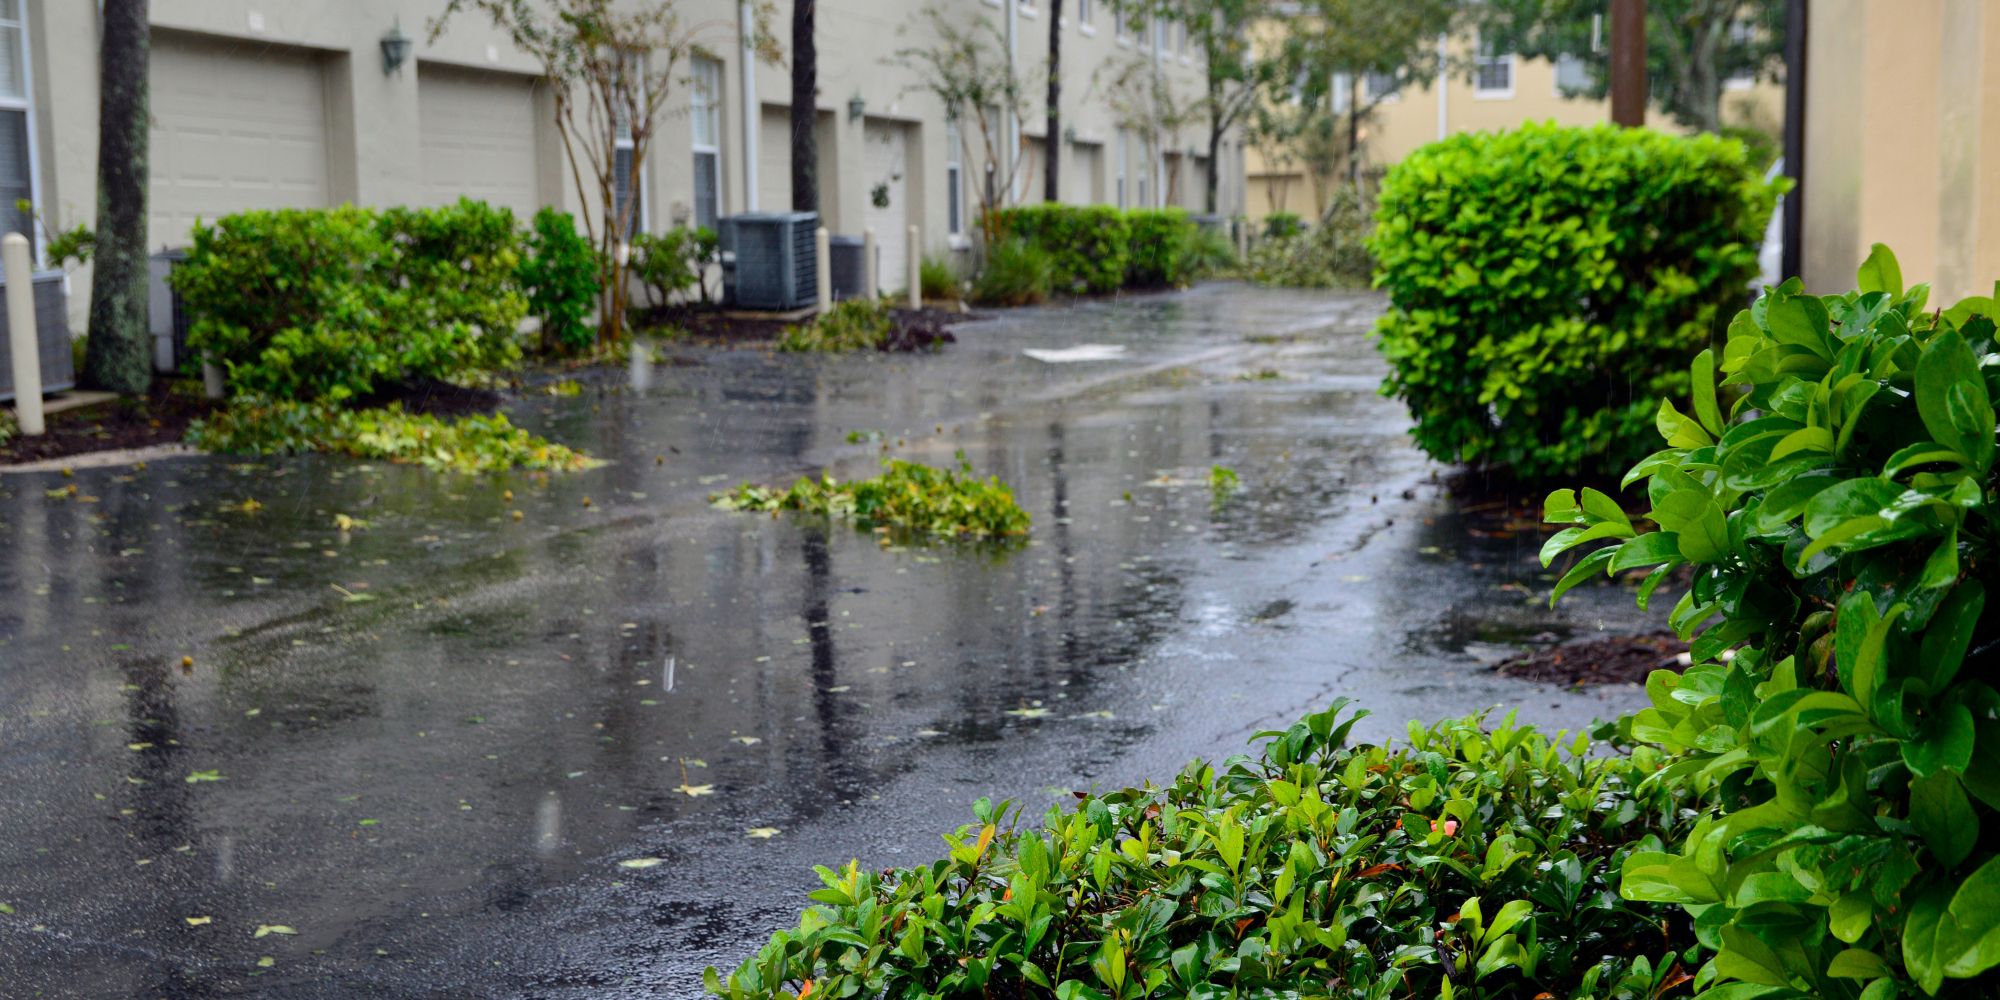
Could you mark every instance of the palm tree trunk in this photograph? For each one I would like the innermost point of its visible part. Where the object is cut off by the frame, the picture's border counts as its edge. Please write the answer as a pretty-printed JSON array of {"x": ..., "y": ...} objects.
[
  {"x": 1052, "y": 137},
  {"x": 805, "y": 114},
  {"x": 118, "y": 357}
]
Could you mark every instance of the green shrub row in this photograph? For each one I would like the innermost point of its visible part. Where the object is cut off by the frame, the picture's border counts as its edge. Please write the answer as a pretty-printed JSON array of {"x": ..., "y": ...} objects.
[
  {"x": 1100, "y": 249},
  {"x": 1835, "y": 501},
  {"x": 330, "y": 304},
  {"x": 466, "y": 444},
  {"x": 672, "y": 262},
  {"x": 559, "y": 272},
  {"x": 1547, "y": 285},
  {"x": 1474, "y": 862}
]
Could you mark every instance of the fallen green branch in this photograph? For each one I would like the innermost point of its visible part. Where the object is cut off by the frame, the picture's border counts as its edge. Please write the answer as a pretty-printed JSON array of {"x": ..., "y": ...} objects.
[
  {"x": 466, "y": 444},
  {"x": 907, "y": 496}
]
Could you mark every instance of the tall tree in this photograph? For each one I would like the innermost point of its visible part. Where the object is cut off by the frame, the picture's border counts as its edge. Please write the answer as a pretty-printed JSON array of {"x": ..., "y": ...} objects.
[
  {"x": 609, "y": 65},
  {"x": 1052, "y": 135},
  {"x": 1692, "y": 46},
  {"x": 1236, "y": 73},
  {"x": 805, "y": 107},
  {"x": 118, "y": 357},
  {"x": 1337, "y": 44}
]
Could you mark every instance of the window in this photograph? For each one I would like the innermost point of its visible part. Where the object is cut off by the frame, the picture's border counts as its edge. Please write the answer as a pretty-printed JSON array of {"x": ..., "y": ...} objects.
[
  {"x": 1380, "y": 87},
  {"x": 629, "y": 188},
  {"x": 1180, "y": 37},
  {"x": 705, "y": 107},
  {"x": 1083, "y": 15},
  {"x": 1342, "y": 87},
  {"x": 1492, "y": 75},
  {"x": 1120, "y": 26},
  {"x": 17, "y": 158},
  {"x": 954, "y": 181},
  {"x": 1572, "y": 75}
]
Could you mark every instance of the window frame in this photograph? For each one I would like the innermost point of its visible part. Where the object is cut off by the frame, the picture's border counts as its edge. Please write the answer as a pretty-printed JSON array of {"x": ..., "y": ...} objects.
[
  {"x": 1390, "y": 95},
  {"x": 26, "y": 105},
  {"x": 706, "y": 101},
  {"x": 1481, "y": 60},
  {"x": 954, "y": 181}
]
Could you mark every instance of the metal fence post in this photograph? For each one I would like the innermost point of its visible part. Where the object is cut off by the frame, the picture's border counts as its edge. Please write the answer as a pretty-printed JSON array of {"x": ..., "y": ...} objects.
[{"x": 24, "y": 342}]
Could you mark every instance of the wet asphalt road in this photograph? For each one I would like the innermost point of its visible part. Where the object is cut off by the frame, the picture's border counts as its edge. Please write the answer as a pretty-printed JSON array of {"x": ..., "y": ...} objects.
[{"x": 425, "y": 745}]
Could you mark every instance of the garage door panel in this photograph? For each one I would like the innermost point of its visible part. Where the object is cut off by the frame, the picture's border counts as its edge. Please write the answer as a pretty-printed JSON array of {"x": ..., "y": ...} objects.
[
  {"x": 478, "y": 137},
  {"x": 236, "y": 126}
]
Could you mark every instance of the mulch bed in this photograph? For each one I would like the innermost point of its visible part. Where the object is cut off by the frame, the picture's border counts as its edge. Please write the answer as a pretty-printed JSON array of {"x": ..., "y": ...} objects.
[
  {"x": 921, "y": 329},
  {"x": 160, "y": 417},
  {"x": 1612, "y": 659}
]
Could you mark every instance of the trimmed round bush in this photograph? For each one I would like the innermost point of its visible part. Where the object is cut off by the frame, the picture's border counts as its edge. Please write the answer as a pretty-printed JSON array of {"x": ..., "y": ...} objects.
[
  {"x": 1547, "y": 285},
  {"x": 1161, "y": 243}
]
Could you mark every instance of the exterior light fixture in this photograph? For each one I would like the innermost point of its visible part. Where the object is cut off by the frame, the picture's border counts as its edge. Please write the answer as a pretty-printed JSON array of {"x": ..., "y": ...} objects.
[
  {"x": 395, "y": 48},
  {"x": 1069, "y": 134},
  {"x": 855, "y": 108}
]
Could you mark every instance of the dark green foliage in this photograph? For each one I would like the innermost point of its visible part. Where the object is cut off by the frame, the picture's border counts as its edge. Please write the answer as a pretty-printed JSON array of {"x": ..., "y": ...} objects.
[
  {"x": 1208, "y": 252},
  {"x": 1161, "y": 239},
  {"x": 1762, "y": 147},
  {"x": 1017, "y": 273},
  {"x": 1474, "y": 863},
  {"x": 1839, "y": 523},
  {"x": 851, "y": 325},
  {"x": 331, "y": 303},
  {"x": 1547, "y": 285},
  {"x": 1333, "y": 254},
  {"x": 906, "y": 496},
  {"x": 674, "y": 261},
  {"x": 1279, "y": 225},
  {"x": 466, "y": 444},
  {"x": 559, "y": 272},
  {"x": 937, "y": 280},
  {"x": 1088, "y": 246}
]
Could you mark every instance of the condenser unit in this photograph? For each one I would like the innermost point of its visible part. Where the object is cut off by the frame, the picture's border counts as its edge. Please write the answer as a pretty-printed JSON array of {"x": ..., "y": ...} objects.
[{"x": 772, "y": 261}]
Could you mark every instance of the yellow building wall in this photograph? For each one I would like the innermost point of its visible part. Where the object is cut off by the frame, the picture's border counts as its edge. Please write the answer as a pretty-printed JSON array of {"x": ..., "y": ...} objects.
[{"x": 1903, "y": 142}]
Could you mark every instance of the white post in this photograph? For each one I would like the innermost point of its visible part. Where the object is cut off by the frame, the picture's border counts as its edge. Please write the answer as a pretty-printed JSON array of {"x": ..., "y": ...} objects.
[
  {"x": 824, "y": 270},
  {"x": 870, "y": 281},
  {"x": 1010, "y": 146},
  {"x": 211, "y": 380},
  {"x": 913, "y": 271},
  {"x": 746, "y": 30},
  {"x": 22, "y": 338}
]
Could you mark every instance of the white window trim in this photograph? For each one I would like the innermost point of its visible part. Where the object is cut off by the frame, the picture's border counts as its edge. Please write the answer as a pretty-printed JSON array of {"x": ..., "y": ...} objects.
[
  {"x": 1369, "y": 96},
  {"x": 1029, "y": 10},
  {"x": 26, "y": 103},
  {"x": 1480, "y": 93},
  {"x": 696, "y": 146}
]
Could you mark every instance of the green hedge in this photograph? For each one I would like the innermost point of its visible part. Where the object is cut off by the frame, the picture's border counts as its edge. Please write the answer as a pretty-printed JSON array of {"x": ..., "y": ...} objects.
[
  {"x": 1840, "y": 527},
  {"x": 1099, "y": 249},
  {"x": 1476, "y": 862},
  {"x": 331, "y": 303},
  {"x": 1089, "y": 245},
  {"x": 1547, "y": 285}
]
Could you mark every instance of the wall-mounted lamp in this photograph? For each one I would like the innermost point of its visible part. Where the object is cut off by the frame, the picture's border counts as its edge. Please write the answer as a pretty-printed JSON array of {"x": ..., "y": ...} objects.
[
  {"x": 395, "y": 48},
  {"x": 856, "y": 107},
  {"x": 1069, "y": 134}
]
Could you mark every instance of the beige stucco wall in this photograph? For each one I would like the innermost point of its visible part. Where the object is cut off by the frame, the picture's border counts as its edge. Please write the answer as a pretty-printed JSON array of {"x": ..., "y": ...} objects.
[
  {"x": 372, "y": 121},
  {"x": 1903, "y": 142}
]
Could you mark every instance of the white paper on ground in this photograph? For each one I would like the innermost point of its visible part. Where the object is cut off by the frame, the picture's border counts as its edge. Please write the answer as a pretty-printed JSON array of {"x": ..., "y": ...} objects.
[{"x": 1081, "y": 352}]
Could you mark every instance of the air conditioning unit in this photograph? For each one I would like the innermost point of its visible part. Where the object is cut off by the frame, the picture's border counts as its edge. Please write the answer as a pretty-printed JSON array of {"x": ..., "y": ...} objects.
[
  {"x": 52, "y": 336},
  {"x": 774, "y": 264},
  {"x": 166, "y": 315}
]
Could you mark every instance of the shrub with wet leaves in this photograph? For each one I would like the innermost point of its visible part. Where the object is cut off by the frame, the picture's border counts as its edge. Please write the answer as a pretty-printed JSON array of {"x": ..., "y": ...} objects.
[
  {"x": 920, "y": 499},
  {"x": 1839, "y": 726},
  {"x": 465, "y": 444},
  {"x": 851, "y": 325},
  {"x": 1476, "y": 862}
]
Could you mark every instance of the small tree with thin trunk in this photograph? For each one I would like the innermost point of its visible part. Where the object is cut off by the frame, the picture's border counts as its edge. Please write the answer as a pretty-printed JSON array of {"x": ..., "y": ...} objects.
[
  {"x": 118, "y": 357},
  {"x": 1235, "y": 74},
  {"x": 1339, "y": 43},
  {"x": 965, "y": 67},
  {"x": 1145, "y": 102},
  {"x": 610, "y": 66}
]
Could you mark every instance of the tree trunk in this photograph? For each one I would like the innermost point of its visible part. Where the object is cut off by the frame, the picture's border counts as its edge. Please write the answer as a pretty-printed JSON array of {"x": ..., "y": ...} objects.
[
  {"x": 1214, "y": 158},
  {"x": 1353, "y": 132},
  {"x": 805, "y": 113},
  {"x": 118, "y": 357},
  {"x": 1052, "y": 136}
]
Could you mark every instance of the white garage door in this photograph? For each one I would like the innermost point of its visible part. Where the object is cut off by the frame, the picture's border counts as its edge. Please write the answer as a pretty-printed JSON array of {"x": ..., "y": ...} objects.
[
  {"x": 888, "y": 211},
  {"x": 235, "y": 126},
  {"x": 478, "y": 141}
]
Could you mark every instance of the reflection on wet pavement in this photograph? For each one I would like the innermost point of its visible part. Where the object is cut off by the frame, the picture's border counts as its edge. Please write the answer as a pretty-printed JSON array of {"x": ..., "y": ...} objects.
[{"x": 425, "y": 743}]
